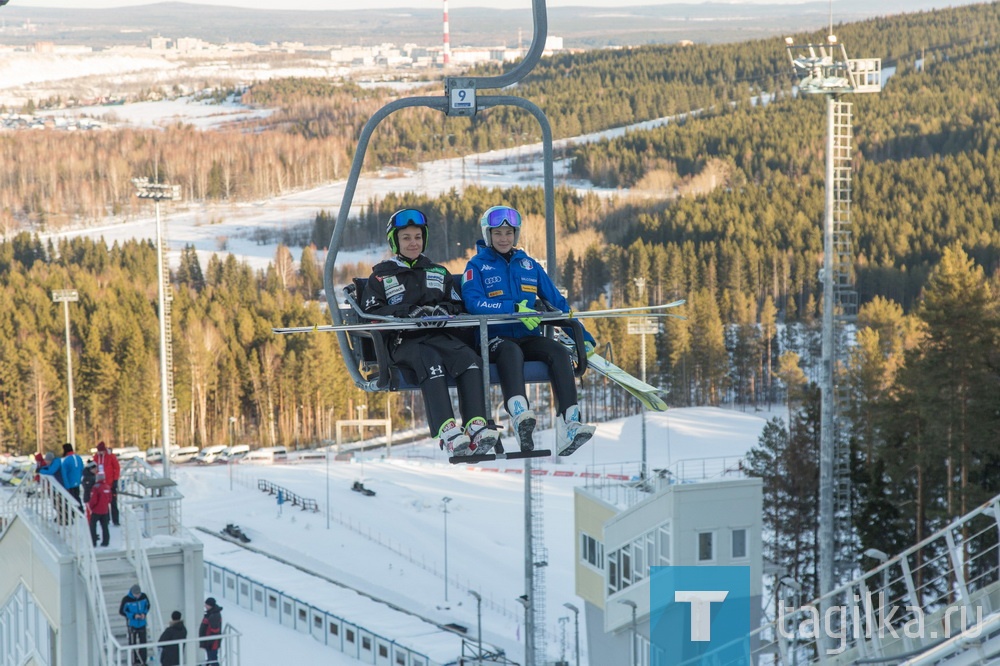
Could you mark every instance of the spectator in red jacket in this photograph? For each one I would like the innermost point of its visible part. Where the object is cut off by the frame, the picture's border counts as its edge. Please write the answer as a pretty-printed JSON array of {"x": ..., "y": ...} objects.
[
  {"x": 211, "y": 627},
  {"x": 107, "y": 462},
  {"x": 99, "y": 505},
  {"x": 40, "y": 462}
]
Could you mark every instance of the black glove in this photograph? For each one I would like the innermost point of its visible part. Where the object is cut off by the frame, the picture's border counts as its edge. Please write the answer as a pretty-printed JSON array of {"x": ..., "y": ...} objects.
[
  {"x": 438, "y": 311},
  {"x": 441, "y": 311},
  {"x": 420, "y": 311}
]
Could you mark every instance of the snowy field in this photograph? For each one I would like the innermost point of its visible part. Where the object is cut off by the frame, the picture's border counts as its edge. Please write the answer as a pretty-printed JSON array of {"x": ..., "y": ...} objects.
[{"x": 392, "y": 545}]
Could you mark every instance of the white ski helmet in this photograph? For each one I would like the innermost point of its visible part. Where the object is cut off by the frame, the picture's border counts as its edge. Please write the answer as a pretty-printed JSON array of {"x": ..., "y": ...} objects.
[{"x": 497, "y": 216}]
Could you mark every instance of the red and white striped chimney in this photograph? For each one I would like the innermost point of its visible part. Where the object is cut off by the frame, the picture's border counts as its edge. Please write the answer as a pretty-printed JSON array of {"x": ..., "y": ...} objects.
[{"x": 446, "y": 59}]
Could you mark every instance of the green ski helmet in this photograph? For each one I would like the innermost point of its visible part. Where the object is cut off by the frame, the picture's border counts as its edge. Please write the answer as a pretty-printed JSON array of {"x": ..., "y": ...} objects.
[{"x": 407, "y": 217}]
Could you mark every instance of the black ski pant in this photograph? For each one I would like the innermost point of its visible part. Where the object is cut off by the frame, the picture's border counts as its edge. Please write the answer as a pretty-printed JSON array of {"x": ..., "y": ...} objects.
[
  {"x": 509, "y": 354},
  {"x": 102, "y": 520},
  {"x": 75, "y": 492},
  {"x": 433, "y": 357},
  {"x": 114, "y": 502},
  {"x": 137, "y": 636}
]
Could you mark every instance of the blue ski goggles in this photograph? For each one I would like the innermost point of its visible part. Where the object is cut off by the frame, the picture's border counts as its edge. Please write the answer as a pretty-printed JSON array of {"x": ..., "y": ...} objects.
[
  {"x": 409, "y": 217},
  {"x": 501, "y": 215}
]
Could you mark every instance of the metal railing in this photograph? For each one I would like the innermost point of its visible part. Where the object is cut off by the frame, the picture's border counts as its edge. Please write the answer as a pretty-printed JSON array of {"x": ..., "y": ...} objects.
[
  {"x": 229, "y": 649},
  {"x": 47, "y": 504},
  {"x": 289, "y": 611},
  {"x": 51, "y": 508},
  {"x": 938, "y": 598},
  {"x": 139, "y": 483},
  {"x": 305, "y": 503},
  {"x": 136, "y": 555}
]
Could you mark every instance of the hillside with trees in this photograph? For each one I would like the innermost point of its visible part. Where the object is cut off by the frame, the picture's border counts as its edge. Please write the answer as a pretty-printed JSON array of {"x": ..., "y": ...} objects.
[{"x": 725, "y": 212}]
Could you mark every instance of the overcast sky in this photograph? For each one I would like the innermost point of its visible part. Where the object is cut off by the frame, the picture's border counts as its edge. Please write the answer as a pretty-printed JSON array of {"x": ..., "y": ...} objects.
[{"x": 353, "y": 4}]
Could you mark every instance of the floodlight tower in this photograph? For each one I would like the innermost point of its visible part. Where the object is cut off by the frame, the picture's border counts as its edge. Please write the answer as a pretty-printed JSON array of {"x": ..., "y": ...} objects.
[
  {"x": 825, "y": 69},
  {"x": 145, "y": 189}
]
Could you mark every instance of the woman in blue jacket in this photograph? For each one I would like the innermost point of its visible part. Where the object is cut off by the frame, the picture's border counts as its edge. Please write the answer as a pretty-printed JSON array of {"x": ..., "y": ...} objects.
[{"x": 502, "y": 279}]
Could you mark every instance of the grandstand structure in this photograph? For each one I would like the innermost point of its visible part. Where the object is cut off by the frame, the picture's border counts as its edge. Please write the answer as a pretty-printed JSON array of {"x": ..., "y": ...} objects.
[{"x": 59, "y": 595}]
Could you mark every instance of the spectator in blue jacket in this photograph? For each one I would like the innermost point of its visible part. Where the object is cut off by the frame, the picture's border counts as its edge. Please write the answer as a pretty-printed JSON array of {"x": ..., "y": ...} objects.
[
  {"x": 134, "y": 608},
  {"x": 68, "y": 471},
  {"x": 503, "y": 279},
  {"x": 72, "y": 472},
  {"x": 52, "y": 467}
]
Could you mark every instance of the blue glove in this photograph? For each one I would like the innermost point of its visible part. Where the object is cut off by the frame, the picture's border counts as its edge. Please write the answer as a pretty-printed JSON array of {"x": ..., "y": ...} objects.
[
  {"x": 530, "y": 323},
  {"x": 589, "y": 347}
]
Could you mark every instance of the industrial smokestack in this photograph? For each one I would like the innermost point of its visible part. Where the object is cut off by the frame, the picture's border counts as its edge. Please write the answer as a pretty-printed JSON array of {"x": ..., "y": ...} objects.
[{"x": 446, "y": 59}]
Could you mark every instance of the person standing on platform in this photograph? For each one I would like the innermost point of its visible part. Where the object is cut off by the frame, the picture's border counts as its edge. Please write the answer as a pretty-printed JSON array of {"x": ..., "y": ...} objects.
[
  {"x": 88, "y": 480},
  {"x": 134, "y": 608},
  {"x": 170, "y": 655},
  {"x": 71, "y": 469},
  {"x": 211, "y": 627},
  {"x": 99, "y": 504},
  {"x": 107, "y": 462}
]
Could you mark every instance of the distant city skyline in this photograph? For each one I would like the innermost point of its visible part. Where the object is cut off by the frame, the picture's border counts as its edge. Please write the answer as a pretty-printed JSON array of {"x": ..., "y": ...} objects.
[
  {"x": 335, "y": 5},
  {"x": 345, "y": 5}
]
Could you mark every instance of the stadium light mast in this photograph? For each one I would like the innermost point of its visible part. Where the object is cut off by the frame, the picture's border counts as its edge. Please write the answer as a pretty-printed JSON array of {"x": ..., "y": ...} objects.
[
  {"x": 145, "y": 189},
  {"x": 825, "y": 69},
  {"x": 67, "y": 296}
]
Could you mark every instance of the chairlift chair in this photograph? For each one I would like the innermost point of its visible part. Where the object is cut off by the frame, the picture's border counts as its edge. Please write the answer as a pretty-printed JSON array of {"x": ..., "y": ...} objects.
[
  {"x": 369, "y": 351},
  {"x": 364, "y": 352}
]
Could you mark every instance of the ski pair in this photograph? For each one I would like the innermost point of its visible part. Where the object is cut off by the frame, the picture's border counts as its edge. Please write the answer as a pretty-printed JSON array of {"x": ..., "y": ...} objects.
[
  {"x": 645, "y": 393},
  {"x": 385, "y": 323}
]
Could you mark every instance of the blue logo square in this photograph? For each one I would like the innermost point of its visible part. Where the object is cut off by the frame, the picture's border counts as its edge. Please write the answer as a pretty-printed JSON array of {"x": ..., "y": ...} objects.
[{"x": 699, "y": 615}]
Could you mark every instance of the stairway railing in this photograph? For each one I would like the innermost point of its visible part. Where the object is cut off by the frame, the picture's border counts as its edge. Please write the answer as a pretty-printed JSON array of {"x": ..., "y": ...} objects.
[{"x": 936, "y": 597}]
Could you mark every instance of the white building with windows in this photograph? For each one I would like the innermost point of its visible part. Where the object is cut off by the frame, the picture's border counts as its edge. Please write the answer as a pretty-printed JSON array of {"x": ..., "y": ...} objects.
[{"x": 625, "y": 527}]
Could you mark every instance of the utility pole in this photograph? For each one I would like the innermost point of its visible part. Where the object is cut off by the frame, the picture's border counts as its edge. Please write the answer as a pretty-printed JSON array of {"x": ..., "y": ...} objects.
[
  {"x": 444, "y": 507},
  {"x": 479, "y": 625},
  {"x": 576, "y": 630},
  {"x": 642, "y": 326}
]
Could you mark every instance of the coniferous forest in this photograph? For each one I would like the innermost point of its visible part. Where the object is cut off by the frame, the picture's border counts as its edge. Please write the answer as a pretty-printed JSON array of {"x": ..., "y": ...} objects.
[{"x": 725, "y": 210}]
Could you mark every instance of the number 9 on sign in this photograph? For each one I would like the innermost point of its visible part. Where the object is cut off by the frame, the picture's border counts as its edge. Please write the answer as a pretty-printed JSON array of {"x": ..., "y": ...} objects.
[{"x": 463, "y": 100}]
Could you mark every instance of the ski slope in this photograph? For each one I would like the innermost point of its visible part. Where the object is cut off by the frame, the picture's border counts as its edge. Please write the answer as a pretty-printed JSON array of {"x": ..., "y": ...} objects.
[{"x": 391, "y": 546}]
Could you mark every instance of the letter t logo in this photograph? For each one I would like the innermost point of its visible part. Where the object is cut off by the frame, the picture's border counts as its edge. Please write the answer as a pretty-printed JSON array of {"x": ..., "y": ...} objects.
[{"x": 701, "y": 607}]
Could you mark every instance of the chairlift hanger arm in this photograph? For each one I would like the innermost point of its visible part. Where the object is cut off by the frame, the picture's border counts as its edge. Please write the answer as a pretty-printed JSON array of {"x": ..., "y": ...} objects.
[{"x": 539, "y": 35}]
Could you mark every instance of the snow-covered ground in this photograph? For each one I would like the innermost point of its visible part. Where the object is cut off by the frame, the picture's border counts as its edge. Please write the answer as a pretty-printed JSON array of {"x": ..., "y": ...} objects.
[{"x": 392, "y": 545}]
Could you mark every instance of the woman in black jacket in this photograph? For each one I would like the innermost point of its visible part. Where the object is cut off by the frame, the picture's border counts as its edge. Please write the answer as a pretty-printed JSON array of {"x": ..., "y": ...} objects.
[{"x": 411, "y": 285}]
